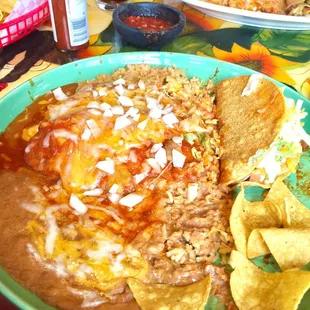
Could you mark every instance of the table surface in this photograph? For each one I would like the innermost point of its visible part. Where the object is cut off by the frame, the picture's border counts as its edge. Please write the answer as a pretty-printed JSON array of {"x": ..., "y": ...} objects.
[{"x": 283, "y": 55}]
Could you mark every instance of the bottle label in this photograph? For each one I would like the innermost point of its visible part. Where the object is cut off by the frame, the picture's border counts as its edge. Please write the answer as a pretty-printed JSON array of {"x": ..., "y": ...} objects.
[
  {"x": 52, "y": 19},
  {"x": 77, "y": 21}
]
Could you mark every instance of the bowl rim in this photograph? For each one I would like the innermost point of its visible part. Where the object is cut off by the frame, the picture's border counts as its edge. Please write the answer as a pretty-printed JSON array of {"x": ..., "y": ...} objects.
[{"x": 123, "y": 7}]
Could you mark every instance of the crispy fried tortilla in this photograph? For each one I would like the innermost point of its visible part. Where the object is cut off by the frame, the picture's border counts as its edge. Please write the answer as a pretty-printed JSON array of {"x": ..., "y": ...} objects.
[{"x": 247, "y": 123}]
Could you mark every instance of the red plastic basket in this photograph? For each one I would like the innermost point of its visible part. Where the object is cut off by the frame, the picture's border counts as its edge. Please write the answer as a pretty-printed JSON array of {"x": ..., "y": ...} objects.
[{"x": 19, "y": 27}]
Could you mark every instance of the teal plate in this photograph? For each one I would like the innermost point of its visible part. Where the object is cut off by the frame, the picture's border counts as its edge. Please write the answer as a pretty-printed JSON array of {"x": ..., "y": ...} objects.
[{"x": 204, "y": 68}]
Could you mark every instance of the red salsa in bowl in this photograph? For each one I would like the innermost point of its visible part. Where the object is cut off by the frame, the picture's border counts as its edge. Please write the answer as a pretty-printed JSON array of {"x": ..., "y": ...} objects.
[{"x": 147, "y": 23}]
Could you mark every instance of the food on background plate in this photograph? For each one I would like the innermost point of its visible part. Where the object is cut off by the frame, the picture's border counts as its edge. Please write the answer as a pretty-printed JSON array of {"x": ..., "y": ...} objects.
[
  {"x": 298, "y": 7},
  {"x": 282, "y": 7},
  {"x": 260, "y": 130},
  {"x": 279, "y": 225},
  {"x": 120, "y": 181},
  {"x": 253, "y": 288},
  {"x": 267, "y": 6},
  {"x": 111, "y": 197}
]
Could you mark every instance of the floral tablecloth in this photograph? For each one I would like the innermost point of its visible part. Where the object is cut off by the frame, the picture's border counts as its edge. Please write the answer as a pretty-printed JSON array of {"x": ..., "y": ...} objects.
[{"x": 283, "y": 55}]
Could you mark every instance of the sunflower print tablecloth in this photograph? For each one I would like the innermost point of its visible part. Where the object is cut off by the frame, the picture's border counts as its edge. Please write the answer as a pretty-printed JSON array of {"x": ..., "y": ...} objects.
[{"x": 281, "y": 54}]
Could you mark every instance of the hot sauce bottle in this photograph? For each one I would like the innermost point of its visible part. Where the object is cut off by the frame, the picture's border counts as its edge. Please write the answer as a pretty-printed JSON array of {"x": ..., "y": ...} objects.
[{"x": 70, "y": 25}]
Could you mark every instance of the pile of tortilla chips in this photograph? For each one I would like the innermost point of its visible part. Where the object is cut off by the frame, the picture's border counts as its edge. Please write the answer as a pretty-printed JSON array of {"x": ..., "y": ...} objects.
[{"x": 279, "y": 225}]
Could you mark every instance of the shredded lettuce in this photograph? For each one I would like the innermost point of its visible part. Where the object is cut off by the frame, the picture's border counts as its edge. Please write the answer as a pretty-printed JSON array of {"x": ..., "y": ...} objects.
[
  {"x": 204, "y": 140},
  {"x": 286, "y": 146}
]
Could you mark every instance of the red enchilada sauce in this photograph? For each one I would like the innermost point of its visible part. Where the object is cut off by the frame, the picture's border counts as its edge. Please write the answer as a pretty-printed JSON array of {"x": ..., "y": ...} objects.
[{"x": 147, "y": 23}]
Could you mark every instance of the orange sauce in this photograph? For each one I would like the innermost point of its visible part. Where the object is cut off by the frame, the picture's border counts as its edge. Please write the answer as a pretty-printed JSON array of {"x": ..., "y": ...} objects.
[{"x": 12, "y": 145}]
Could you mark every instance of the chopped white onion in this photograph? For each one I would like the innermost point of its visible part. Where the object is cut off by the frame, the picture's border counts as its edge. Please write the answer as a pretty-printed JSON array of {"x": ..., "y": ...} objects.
[
  {"x": 152, "y": 103},
  {"x": 119, "y": 89},
  {"x": 107, "y": 166},
  {"x": 95, "y": 94},
  {"x": 132, "y": 112},
  {"x": 136, "y": 117},
  {"x": 114, "y": 188},
  {"x": 123, "y": 159},
  {"x": 168, "y": 108},
  {"x": 131, "y": 200},
  {"x": 192, "y": 191},
  {"x": 142, "y": 125},
  {"x": 102, "y": 92},
  {"x": 161, "y": 157},
  {"x": 155, "y": 113},
  {"x": 156, "y": 147},
  {"x": 117, "y": 110},
  {"x": 94, "y": 192},
  {"x": 114, "y": 198},
  {"x": 141, "y": 85},
  {"x": 178, "y": 159},
  {"x": 93, "y": 127},
  {"x": 139, "y": 177},
  {"x": 121, "y": 122},
  {"x": 154, "y": 164},
  {"x": 170, "y": 119},
  {"x": 93, "y": 105},
  {"x": 177, "y": 140},
  {"x": 59, "y": 94},
  {"x": 120, "y": 81},
  {"x": 77, "y": 204},
  {"x": 131, "y": 87},
  {"x": 125, "y": 101},
  {"x": 108, "y": 113},
  {"x": 105, "y": 106},
  {"x": 86, "y": 134},
  {"x": 94, "y": 112}
]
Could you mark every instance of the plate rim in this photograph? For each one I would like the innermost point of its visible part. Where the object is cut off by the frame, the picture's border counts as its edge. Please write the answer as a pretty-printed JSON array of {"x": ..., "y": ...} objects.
[{"x": 250, "y": 14}]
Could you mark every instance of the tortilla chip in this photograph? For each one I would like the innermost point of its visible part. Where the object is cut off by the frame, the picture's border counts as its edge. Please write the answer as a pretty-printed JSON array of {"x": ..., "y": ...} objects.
[
  {"x": 295, "y": 214},
  {"x": 256, "y": 244},
  {"x": 247, "y": 123},
  {"x": 247, "y": 216},
  {"x": 168, "y": 297},
  {"x": 289, "y": 246},
  {"x": 255, "y": 289},
  {"x": 7, "y": 5}
]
